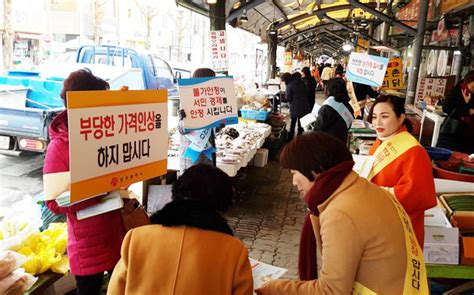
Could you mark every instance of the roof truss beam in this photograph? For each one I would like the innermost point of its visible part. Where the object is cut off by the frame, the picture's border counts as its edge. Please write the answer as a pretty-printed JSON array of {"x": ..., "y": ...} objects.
[
  {"x": 238, "y": 12},
  {"x": 391, "y": 21},
  {"x": 336, "y": 22}
]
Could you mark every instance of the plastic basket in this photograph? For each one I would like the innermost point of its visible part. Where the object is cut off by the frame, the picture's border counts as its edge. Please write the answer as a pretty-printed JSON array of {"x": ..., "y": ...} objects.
[{"x": 254, "y": 115}]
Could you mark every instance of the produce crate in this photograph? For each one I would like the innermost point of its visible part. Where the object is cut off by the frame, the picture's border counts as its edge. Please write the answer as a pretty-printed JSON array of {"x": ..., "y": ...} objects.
[{"x": 254, "y": 115}]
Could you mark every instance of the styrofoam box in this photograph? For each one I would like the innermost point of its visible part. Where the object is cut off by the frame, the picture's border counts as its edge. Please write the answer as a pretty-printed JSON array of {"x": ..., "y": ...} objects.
[
  {"x": 441, "y": 239},
  {"x": 261, "y": 158}
]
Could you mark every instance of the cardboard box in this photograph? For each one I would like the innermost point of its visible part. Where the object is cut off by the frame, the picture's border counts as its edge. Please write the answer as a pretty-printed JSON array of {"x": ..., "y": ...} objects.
[
  {"x": 441, "y": 239},
  {"x": 467, "y": 253},
  {"x": 261, "y": 158},
  {"x": 464, "y": 220}
]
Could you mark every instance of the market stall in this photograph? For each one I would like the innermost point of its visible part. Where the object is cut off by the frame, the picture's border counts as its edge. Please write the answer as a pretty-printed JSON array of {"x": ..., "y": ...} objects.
[{"x": 236, "y": 146}]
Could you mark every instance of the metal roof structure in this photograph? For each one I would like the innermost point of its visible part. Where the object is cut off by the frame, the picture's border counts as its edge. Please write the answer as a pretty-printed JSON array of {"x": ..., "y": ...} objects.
[
  {"x": 312, "y": 26},
  {"x": 309, "y": 25}
]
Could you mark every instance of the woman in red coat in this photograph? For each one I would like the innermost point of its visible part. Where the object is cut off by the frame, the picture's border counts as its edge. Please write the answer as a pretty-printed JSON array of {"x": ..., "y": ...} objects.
[
  {"x": 401, "y": 164},
  {"x": 93, "y": 243}
]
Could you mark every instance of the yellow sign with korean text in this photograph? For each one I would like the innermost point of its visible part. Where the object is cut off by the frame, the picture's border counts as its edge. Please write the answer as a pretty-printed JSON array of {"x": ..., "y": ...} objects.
[
  {"x": 116, "y": 138},
  {"x": 394, "y": 76},
  {"x": 362, "y": 45}
]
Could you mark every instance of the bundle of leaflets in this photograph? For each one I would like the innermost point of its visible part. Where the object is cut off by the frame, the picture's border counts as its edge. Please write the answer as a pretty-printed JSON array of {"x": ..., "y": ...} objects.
[{"x": 112, "y": 201}]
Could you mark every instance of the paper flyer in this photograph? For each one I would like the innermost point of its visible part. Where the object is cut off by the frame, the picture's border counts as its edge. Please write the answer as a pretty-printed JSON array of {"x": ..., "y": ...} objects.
[
  {"x": 363, "y": 165},
  {"x": 263, "y": 272}
]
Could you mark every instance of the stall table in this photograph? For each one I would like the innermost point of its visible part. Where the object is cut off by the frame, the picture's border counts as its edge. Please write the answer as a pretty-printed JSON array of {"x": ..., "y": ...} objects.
[{"x": 453, "y": 272}]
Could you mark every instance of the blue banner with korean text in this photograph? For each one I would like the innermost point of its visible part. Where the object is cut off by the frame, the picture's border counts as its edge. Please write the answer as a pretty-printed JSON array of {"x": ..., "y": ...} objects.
[{"x": 366, "y": 69}]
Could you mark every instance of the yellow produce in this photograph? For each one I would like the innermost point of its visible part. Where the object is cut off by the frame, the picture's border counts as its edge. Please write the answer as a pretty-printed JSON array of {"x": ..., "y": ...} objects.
[
  {"x": 46, "y": 250},
  {"x": 61, "y": 266}
]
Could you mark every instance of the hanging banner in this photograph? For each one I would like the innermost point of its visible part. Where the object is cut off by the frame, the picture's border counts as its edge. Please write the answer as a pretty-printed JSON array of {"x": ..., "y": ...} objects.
[
  {"x": 288, "y": 61},
  {"x": 115, "y": 139},
  {"x": 393, "y": 76},
  {"x": 219, "y": 56},
  {"x": 366, "y": 69},
  {"x": 353, "y": 99},
  {"x": 208, "y": 102}
]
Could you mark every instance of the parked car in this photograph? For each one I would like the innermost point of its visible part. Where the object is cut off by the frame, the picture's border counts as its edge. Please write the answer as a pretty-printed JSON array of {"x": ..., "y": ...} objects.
[{"x": 30, "y": 100}]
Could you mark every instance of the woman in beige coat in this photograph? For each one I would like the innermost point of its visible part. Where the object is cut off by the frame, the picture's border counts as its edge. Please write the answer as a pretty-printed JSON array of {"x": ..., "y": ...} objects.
[
  {"x": 356, "y": 238},
  {"x": 189, "y": 248}
]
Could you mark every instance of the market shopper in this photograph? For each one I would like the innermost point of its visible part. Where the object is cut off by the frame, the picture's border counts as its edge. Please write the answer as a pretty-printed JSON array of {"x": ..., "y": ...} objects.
[
  {"x": 93, "y": 243},
  {"x": 327, "y": 74},
  {"x": 336, "y": 114},
  {"x": 185, "y": 160},
  {"x": 189, "y": 248},
  {"x": 310, "y": 83},
  {"x": 296, "y": 95},
  {"x": 459, "y": 105},
  {"x": 354, "y": 234},
  {"x": 316, "y": 76},
  {"x": 402, "y": 165}
]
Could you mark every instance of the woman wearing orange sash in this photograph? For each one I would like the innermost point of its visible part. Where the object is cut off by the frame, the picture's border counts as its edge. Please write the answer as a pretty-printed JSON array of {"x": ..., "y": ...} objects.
[{"x": 401, "y": 164}]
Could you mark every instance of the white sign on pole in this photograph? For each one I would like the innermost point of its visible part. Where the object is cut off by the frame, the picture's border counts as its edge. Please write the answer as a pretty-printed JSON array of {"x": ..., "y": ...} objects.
[
  {"x": 366, "y": 69},
  {"x": 116, "y": 138},
  {"x": 219, "y": 57},
  {"x": 208, "y": 102}
]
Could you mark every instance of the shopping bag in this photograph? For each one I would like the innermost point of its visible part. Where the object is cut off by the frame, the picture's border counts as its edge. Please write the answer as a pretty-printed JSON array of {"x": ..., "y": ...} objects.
[{"x": 133, "y": 214}]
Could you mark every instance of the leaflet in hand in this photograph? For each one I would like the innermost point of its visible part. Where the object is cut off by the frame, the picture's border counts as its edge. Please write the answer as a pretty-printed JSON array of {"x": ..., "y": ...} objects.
[
  {"x": 363, "y": 165},
  {"x": 112, "y": 201},
  {"x": 263, "y": 272}
]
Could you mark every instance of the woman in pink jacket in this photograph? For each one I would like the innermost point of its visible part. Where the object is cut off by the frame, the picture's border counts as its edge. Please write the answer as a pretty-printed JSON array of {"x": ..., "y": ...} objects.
[{"x": 93, "y": 243}]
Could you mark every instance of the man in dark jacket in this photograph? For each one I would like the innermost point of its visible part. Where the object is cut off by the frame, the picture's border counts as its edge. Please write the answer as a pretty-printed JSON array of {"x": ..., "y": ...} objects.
[{"x": 296, "y": 95}]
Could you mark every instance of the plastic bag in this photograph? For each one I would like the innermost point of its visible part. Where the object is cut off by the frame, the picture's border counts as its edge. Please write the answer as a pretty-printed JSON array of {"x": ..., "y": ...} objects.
[
  {"x": 9, "y": 261},
  {"x": 18, "y": 282},
  {"x": 9, "y": 280},
  {"x": 22, "y": 220}
]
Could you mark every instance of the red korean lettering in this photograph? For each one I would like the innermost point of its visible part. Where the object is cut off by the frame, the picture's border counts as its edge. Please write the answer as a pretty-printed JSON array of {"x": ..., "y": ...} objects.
[
  {"x": 141, "y": 121},
  {"x": 109, "y": 125},
  {"x": 150, "y": 120},
  {"x": 97, "y": 124},
  {"x": 86, "y": 127}
]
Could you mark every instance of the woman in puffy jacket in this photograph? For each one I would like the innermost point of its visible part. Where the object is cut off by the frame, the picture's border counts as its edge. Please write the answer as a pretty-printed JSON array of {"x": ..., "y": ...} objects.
[{"x": 93, "y": 243}]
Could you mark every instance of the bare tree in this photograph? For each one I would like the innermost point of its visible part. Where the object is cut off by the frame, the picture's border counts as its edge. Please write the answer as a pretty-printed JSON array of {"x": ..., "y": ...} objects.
[
  {"x": 98, "y": 6},
  {"x": 149, "y": 12},
  {"x": 7, "y": 34},
  {"x": 182, "y": 26}
]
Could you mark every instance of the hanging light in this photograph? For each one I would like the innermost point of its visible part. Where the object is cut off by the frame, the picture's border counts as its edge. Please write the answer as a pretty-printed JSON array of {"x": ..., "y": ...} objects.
[
  {"x": 236, "y": 5},
  {"x": 211, "y": 1},
  {"x": 243, "y": 17},
  {"x": 347, "y": 47}
]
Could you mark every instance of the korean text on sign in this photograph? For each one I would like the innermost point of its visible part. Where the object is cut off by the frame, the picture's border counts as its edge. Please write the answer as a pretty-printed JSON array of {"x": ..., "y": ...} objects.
[
  {"x": 219, "y": 57},
  {"x": 116, "y": 139},
  {"x": 366, "y": 69},
  {"x": 208, "y": 102}
]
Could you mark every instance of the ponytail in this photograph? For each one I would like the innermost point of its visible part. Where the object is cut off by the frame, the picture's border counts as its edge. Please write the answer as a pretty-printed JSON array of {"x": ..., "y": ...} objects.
[{"x": 407, "y": 123}]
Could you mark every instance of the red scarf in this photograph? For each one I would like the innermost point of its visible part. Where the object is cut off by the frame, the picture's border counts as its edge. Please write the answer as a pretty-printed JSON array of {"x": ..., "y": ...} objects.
[{"x": 324, "y": 186}]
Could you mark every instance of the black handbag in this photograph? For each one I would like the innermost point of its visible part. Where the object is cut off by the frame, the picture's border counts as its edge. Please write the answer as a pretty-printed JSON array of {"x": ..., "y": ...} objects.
[{"x": 451, "y": 126}]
